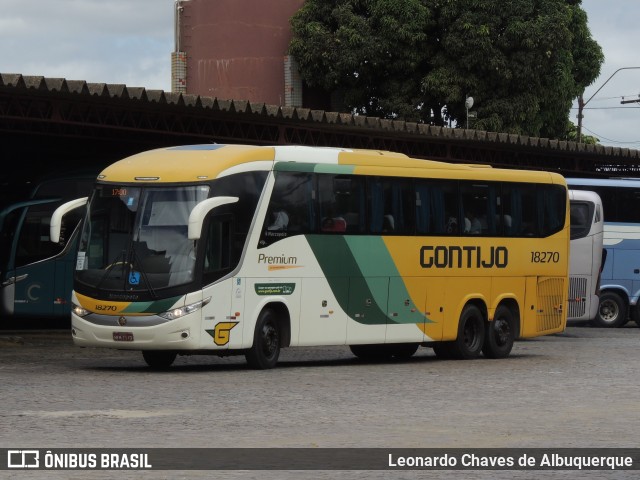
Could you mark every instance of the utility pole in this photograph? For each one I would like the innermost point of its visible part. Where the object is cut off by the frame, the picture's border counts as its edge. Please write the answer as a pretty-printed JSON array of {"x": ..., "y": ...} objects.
[
  {"x": 582, "y": 103},
  {"x": 580, "y": 108}
]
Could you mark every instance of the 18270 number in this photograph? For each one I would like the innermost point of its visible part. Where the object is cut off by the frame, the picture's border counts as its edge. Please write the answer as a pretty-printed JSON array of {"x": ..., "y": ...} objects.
[{"x": 545, "y": 257}]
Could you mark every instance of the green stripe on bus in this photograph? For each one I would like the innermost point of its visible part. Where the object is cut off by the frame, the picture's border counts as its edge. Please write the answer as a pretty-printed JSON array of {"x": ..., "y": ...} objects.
[
  {"x": 366, "y": 262},
  {"x": 375, "y": 261},
  {"x": 314, "y": 167},
  {"x": 337, "y": 262},
  {"x": 151, "y": 307}
]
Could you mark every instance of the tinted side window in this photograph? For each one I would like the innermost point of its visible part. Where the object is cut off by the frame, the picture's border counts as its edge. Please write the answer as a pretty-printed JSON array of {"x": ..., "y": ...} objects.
[
  {"x": 341, "y": 203},
  {"x": 248, "y": 188},
  {"x": 580, "y": 218},
  {"x": 33, "y": 242},
  {"x": 519, "y": 207},
  {"x": 437, "y": 208},
  {"x": 479, "y": 202},
  {"x": 552, "y": 207},
  {"x": 391, "y": 206},
  {"x": 291, "y": 209}
]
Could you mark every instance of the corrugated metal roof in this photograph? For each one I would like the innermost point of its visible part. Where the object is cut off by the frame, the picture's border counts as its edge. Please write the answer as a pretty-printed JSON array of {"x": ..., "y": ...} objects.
[{"x": 120, "y": 91}]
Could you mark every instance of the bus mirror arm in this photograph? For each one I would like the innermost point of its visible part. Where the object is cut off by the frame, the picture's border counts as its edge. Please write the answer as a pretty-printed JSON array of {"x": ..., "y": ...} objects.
[
  {"x": 200, "y": 211},
  {"x": 56, "y": 218}
]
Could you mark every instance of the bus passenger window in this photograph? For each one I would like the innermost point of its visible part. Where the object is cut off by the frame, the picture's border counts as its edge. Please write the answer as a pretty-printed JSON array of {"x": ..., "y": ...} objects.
[
  {"x": 341, "y": 203},
  {"x": 333, "y": 223},
  {"x": 291, "y": 208}
]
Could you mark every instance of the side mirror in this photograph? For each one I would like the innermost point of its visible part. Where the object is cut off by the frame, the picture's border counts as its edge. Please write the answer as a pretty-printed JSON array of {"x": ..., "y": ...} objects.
[
  {"x": 196, "y": 217},
  {"x": 58, "y": 213}
]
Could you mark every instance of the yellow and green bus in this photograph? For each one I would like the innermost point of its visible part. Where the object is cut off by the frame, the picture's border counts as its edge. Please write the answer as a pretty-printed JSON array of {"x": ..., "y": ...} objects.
[{"x": 237, "y": 249}]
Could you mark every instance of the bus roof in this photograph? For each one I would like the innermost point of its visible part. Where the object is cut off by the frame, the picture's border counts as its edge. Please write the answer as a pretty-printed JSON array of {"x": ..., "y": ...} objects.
[
  {"x": 584, "y": 195},
  {"x": 605, "y": 182},
  {"x": 192, "y": 163}
]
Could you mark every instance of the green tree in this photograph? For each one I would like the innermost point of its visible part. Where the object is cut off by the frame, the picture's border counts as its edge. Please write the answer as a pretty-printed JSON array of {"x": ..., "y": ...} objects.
[
  {"x": 370, "y": 53},
  {"x": 571, "y": 135},
  {"x": 523, "y": 61}
]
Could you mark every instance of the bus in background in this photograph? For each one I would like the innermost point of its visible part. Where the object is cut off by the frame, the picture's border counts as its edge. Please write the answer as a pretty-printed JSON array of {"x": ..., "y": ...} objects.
[
  {"x": 586, "y": 257},
  {"x": 36, "y": 274},
  {"x": 620, "y": 278},
  {"x": 234, "y": 249}
]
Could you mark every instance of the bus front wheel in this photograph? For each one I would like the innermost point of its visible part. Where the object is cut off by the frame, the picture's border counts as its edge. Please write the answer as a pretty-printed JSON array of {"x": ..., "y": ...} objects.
[
  {"x": 266, "y": 342},
  {"x": 471, "y": 334},
  {"x": 159, "y": 359},
  {"x": 612, "y": 311},
  {"x": 500, "y": 334}
]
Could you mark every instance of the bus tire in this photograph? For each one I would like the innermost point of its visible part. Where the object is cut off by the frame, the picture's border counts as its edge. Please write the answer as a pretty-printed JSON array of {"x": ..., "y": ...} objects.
[
  {"x": 471, "y": 331},
  {"x": 500, "y": 334},
  {"x": 266, "y": 342},
  {"x": 612, "y": 311},
  {"x": 159, "y": 359}
]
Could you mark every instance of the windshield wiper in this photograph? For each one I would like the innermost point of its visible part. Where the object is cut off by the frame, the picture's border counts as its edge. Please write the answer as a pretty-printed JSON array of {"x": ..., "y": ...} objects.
[{"x": 135, "y": 261}]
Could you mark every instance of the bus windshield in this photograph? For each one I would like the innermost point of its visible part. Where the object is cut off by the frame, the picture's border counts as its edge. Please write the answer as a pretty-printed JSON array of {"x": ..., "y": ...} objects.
[
  {"x": 581, "y": 219},
  {"x": 135, "y": 239}
]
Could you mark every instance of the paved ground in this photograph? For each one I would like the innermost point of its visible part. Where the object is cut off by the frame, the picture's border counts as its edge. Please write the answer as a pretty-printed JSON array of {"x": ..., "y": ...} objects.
[{"x": 577, "y": 389}]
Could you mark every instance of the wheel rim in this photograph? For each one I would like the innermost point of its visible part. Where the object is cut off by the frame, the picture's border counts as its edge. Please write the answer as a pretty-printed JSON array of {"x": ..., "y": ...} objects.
[
  {"x": 501, "y": 331},
  {"x": 608, "y": 311},
  {"x": 270, "y": 339}
]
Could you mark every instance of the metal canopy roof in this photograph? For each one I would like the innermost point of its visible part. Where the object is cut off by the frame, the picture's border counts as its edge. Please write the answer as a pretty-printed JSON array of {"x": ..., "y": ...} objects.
[{"x": 52, "y": 124}]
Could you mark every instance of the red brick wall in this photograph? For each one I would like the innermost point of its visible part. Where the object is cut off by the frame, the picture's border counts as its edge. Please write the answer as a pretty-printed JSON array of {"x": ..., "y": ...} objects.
[{"x": 235, "y": 48}]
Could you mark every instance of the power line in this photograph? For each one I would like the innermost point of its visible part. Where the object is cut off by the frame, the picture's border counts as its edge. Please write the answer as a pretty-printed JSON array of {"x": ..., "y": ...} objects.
[
  {"x": 605, "y": 108},
  {"x": 613, "y": 98},
  {"x": 609, "y": 139}
]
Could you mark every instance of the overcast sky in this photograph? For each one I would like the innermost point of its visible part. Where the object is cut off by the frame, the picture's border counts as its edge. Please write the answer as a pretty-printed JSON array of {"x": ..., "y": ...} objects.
[{"x": 130, "y": 42}]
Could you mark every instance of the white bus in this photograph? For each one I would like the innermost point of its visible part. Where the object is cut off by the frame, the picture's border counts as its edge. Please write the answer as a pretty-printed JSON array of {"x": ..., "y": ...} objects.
[
  {"x": 620, "y": 279},
  {"x": 586, "y": 257},
  {"x": 236, "y": 249}
]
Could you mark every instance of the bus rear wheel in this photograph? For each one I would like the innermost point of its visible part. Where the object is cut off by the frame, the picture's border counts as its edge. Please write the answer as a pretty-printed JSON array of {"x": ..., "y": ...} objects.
[
  {"x": 500, "y": 334},
  {"x": 471, "y": 333},
  {"x": 159, "y": 359},
  {"x": 266, "y": 342},
  {"x": 612, "y": 311}
]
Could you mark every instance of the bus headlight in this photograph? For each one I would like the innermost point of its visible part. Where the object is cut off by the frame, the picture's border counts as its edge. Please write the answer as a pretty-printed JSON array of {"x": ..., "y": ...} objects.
[
  {"x": 182, "y": 311},
  {"x": 79, "y": 311}
]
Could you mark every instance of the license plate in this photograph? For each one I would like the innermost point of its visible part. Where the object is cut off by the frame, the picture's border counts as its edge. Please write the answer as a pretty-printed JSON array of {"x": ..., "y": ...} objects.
[{"x": 122, "y": 337}]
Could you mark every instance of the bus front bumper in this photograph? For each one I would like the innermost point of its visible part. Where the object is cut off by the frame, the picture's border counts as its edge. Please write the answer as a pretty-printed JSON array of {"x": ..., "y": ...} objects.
[{"x": 177, "y": 334}]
